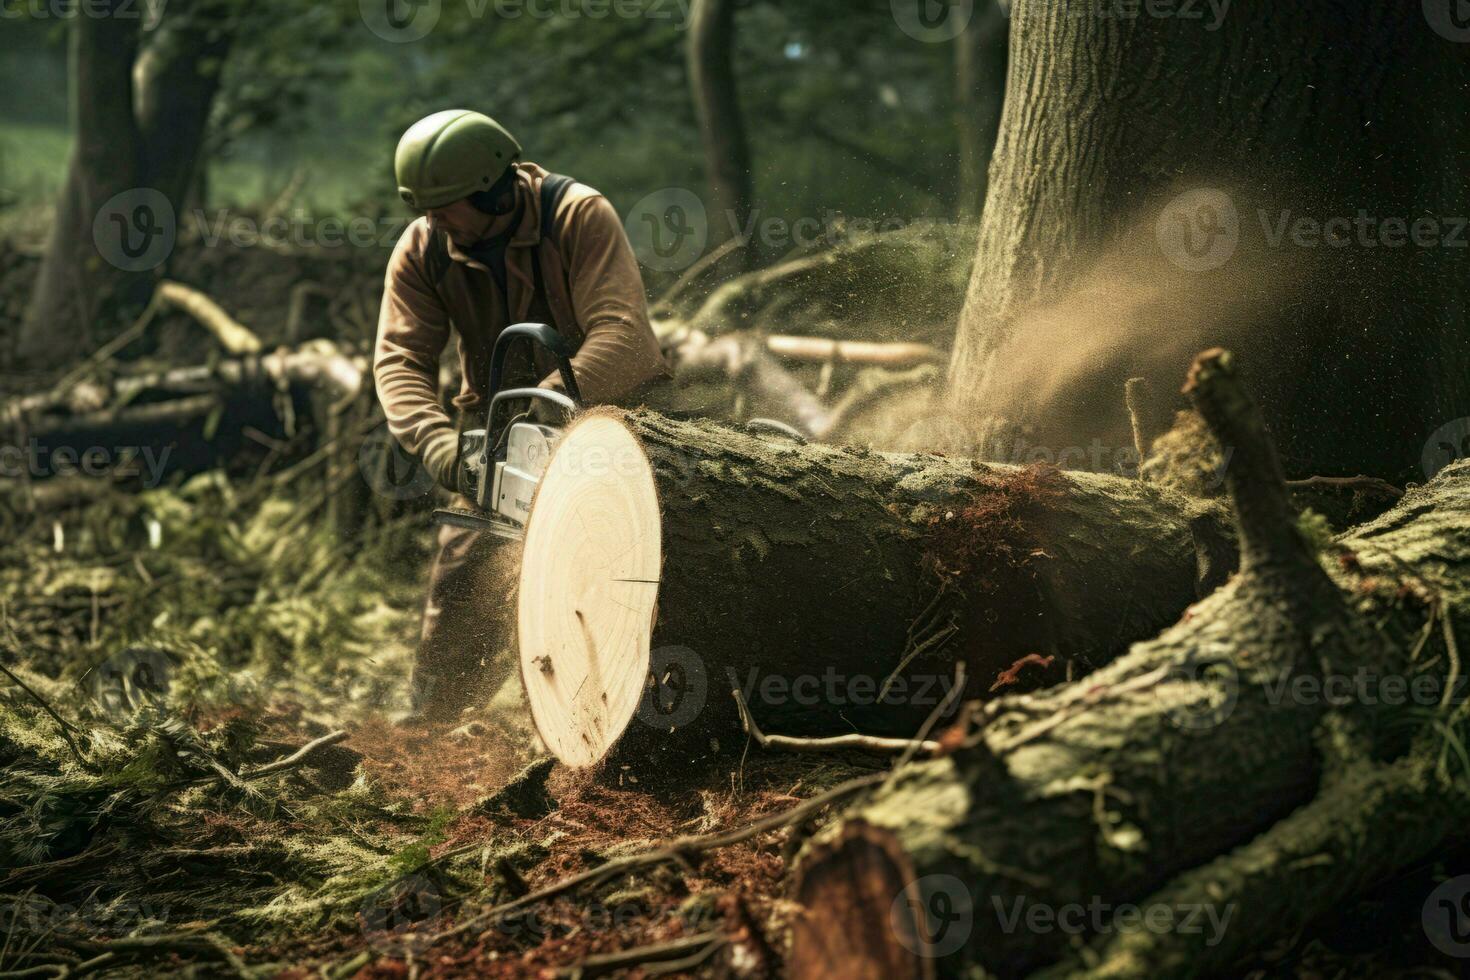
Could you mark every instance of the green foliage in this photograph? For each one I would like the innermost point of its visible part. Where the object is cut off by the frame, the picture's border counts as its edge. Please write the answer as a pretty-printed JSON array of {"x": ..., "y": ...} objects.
[{"x": 416, "y": 855}]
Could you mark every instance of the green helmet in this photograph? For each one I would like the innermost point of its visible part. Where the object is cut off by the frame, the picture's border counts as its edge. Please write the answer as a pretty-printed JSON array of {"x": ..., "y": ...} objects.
[{"x": 450, "y": 155}]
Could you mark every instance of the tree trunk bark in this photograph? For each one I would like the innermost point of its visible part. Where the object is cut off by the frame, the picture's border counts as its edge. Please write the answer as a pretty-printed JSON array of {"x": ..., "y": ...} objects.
[
  {"x": 1092, "y": 266},
  {"x": 75, "y": 281},
  {"x": 721, "y": 129},
  {"x": 1236, "y": 719},
  {"x": 806, "y": 575},
  {"x": 140, "y": 123},
  {"x": 177, "y": 78}
]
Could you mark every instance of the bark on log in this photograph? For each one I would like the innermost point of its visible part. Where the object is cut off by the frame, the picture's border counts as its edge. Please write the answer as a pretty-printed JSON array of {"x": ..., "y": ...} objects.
[
  {"x": 1222, "y": 728},
  {"x": 699, "y": 552}
]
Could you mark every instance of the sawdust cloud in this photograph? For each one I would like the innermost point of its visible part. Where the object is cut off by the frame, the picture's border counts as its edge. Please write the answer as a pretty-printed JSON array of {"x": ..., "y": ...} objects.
[{"x": 1053, "y": 387}]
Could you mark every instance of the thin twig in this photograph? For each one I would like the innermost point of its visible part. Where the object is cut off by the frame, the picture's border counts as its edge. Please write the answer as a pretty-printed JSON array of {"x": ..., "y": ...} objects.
[
  {"x": 938, "y": 713},
  {"x": 868, "y": 743},
  {"x": 915, "y": 650},
  {"x": 295, "y": 758}
]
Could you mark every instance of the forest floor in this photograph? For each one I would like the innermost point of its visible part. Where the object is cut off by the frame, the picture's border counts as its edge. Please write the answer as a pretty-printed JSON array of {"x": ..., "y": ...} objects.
[
  {"x": 210, "y": 640},
  {"x": 167, "y": 644}
]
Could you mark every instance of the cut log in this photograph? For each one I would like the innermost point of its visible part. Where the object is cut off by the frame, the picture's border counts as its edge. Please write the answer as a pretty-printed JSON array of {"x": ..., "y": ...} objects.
[
  {"x": 667, "y": 562},
  {"x": 1230, "y": 725}
]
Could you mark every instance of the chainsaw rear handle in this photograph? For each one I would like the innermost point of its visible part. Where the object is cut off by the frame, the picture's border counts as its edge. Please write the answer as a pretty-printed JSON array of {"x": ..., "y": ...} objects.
[{"x": 541, "y": 334}]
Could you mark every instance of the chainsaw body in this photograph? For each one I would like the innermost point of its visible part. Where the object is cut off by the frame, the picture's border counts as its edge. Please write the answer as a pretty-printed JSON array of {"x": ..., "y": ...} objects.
[{"x": 506, "y": 464}]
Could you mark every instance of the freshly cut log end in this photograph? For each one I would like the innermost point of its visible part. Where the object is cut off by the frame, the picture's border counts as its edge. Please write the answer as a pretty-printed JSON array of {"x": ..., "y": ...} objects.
[
  {"x": 589, "y": 589},
  {"x": 860, "y": 915}
]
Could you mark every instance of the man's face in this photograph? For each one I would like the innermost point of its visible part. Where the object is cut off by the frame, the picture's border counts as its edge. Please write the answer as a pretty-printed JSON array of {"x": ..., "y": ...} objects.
[{"x": 463, "y": 222}]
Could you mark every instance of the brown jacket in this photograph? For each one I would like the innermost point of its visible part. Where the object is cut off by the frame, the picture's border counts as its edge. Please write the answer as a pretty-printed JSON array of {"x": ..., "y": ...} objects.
[{"x": 593, "y": 294}]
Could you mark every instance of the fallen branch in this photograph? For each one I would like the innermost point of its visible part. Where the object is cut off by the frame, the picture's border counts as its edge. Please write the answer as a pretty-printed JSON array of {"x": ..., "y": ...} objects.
[
  {"x": 233, "y": 336},
  {"x": 821, "y": 350},
  {"x": 1189, "y": 771}
]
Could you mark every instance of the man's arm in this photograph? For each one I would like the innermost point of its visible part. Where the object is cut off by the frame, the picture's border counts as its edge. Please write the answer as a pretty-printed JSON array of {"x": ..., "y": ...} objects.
[
  {"x": 413, "y": 327},
  {"x": 619, "y": 352}
]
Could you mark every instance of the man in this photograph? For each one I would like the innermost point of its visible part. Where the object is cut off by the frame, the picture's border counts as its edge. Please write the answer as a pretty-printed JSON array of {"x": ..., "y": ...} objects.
[{"x": 500, "y": 242}]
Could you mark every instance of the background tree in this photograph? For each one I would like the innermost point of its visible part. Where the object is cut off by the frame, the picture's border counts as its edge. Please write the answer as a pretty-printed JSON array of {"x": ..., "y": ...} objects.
[
  {"x": 721, "y": 129},
  {"x": 1087, "y": 274}
]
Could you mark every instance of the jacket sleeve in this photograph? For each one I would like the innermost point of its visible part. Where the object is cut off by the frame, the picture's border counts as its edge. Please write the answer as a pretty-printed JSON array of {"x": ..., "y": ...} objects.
[
  {"x": 413, "y": 327},
  {"x": 619, "y": 352}
]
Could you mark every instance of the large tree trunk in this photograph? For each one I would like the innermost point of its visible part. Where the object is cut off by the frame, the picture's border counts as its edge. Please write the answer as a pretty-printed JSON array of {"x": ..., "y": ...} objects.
[
  {"x": 1089, "y": 268},
  {"x": 1232, "y": 724},
  {"x": 803, "y": 575},
  {"x": 721, "y": 128},
  {"x": 139, "y": 123},
  {"x": 74, "y": 280}
]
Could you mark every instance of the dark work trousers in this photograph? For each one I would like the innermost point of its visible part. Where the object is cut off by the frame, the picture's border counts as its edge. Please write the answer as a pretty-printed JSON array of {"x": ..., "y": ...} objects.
[{"x": 466, "y": 647}]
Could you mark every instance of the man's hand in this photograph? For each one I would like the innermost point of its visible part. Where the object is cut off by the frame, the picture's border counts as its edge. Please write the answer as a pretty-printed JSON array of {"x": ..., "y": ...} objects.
[{"x": 445, "y": 462}]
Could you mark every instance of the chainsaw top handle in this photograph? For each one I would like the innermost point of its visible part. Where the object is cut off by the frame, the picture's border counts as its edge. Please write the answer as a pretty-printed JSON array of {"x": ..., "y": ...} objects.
[{"x": 548, "y": 338}]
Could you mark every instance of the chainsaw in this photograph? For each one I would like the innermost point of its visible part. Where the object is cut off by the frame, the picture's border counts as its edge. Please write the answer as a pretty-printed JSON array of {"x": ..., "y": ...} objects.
[{"x": 504, "y": 466}]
